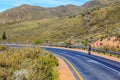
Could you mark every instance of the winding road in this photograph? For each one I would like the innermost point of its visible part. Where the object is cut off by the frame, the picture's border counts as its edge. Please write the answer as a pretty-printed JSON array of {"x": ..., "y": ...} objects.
[{"x": 90, "y": 67}]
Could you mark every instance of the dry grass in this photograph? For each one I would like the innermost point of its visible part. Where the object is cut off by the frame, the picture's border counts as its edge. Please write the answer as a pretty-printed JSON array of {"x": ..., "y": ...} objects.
[{"x": 27, "y": 64}]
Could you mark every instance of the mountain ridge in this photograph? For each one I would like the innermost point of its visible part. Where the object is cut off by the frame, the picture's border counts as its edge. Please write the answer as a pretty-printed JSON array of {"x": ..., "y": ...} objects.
[
  {"x": 97, "y": 22},
  {"x": 26, "y": 12},
  {"x": 29, "y": 12}
]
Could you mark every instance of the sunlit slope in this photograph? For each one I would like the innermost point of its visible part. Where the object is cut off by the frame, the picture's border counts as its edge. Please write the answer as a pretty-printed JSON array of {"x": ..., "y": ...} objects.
[{"x": 100, "y": 23}]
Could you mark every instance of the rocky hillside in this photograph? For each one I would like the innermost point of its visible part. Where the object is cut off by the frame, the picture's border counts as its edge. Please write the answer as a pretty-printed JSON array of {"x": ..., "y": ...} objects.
[
  {"x": 107, "y": 1},
  {"x": 29, "y": 12},
  {"x": 108, "y": 43},
  {"x": 97, "y": 3},
  {"x": 60, "y": 27}
]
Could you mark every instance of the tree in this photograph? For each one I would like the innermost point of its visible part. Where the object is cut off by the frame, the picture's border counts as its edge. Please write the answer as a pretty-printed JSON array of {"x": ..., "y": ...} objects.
[
  {"x": 38, "y": 42},
  {"x": 4, "y": 37}
]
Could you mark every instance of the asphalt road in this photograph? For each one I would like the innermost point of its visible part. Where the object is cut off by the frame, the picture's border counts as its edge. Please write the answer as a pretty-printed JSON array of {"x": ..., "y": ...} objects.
[{"x": 90, "y": 67}]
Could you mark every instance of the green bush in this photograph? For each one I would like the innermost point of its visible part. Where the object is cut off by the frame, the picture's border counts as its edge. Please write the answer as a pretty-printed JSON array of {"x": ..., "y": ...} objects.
[
  {"x": 38, "y": 42},
  {"x": 27, "y": 64},
  {"x": 4, "y": 37}
]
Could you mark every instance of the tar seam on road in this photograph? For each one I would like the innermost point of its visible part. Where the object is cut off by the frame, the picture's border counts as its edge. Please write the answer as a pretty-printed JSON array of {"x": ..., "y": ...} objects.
[{"x": 80, "y": 77}]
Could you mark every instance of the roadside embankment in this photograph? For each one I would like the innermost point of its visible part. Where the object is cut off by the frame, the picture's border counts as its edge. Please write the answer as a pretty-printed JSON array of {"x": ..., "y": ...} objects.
[{"x": 64, "y": 71}]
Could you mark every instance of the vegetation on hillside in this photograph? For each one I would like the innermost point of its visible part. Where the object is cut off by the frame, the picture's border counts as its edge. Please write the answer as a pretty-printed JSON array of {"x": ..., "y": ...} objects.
[
  {"x": 83, "y": 28},
  {"x": 27, "y": 64},
  {"x": 97, "y": 20},
  {"x": 28, "y": 12},
  {"x": 4, "y": 37}
]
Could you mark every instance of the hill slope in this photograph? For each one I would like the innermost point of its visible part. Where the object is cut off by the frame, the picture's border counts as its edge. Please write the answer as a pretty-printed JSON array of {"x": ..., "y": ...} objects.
[
  {"x": 69, "y": 25},
  {"x": 79, "y": 29},
  {"x": 29, "y": 12}
]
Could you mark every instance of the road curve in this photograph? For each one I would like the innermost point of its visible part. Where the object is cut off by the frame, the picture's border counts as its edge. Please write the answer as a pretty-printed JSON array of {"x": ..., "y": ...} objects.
[{"x": 90, "y": 67}]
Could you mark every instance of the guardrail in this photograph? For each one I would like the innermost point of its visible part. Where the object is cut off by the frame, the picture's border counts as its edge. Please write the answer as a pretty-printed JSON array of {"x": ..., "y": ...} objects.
[
  {"x": 68, "y": 46},
  {"x": 92, "y": 49},
  {"x": 19, "y": 45}
]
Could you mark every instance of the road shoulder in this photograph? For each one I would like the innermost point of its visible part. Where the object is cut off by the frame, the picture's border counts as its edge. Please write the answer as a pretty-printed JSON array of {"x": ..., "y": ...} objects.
[{"x": 64, "y": 72}]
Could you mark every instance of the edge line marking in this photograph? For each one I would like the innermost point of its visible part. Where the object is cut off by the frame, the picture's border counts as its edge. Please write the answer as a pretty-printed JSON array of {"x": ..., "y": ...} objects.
[{"x": 78, "y": 74}]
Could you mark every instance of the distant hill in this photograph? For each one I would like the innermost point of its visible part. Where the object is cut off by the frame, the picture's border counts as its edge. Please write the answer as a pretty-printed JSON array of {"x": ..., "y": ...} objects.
[{"x": 29, "y": 12}]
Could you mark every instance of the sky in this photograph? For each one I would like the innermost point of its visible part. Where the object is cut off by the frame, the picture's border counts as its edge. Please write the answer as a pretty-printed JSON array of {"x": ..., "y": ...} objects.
[{"x": 7, "y": 4}]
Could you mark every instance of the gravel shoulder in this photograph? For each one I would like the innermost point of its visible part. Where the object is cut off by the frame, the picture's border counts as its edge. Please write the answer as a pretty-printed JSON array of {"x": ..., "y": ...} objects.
[{"x": 64, "y": 71}]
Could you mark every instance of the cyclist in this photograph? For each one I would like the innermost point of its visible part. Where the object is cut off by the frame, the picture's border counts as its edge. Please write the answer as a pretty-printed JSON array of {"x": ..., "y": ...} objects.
[{"x": 89, "y": 49}]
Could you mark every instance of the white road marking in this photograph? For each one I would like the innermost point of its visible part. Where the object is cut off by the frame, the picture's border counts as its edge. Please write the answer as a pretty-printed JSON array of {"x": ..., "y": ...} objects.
[
  {"x": 118, "y": 72},
  {"x": 64, "y": 51},
  {"x": 93, "y": 61}
]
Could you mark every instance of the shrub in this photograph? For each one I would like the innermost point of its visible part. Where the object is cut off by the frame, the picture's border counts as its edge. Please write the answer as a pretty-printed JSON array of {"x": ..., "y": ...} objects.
[
  {"x": 4, "y": 37},
  {"x": 38, "y": 42},
  {"x": 2, "y": 48},
  {"x": 27, "y": 64},
  {"x": 110, "y": 48}
]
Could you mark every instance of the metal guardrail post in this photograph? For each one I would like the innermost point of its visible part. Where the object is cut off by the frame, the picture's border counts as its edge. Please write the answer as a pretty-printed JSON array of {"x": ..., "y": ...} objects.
[
  {"x": 110, "y": 54},
  {"x": 118, "y": 56},
  {"x": 104, "y": 53}
]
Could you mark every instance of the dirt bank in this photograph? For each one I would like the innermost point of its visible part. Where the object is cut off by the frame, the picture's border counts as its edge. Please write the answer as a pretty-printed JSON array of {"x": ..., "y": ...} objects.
[{"x": 64, "y": 71}]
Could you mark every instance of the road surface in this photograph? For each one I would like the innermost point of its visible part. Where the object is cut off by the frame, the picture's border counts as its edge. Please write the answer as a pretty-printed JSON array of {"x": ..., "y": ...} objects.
[{"x": 90, "y": 67}]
